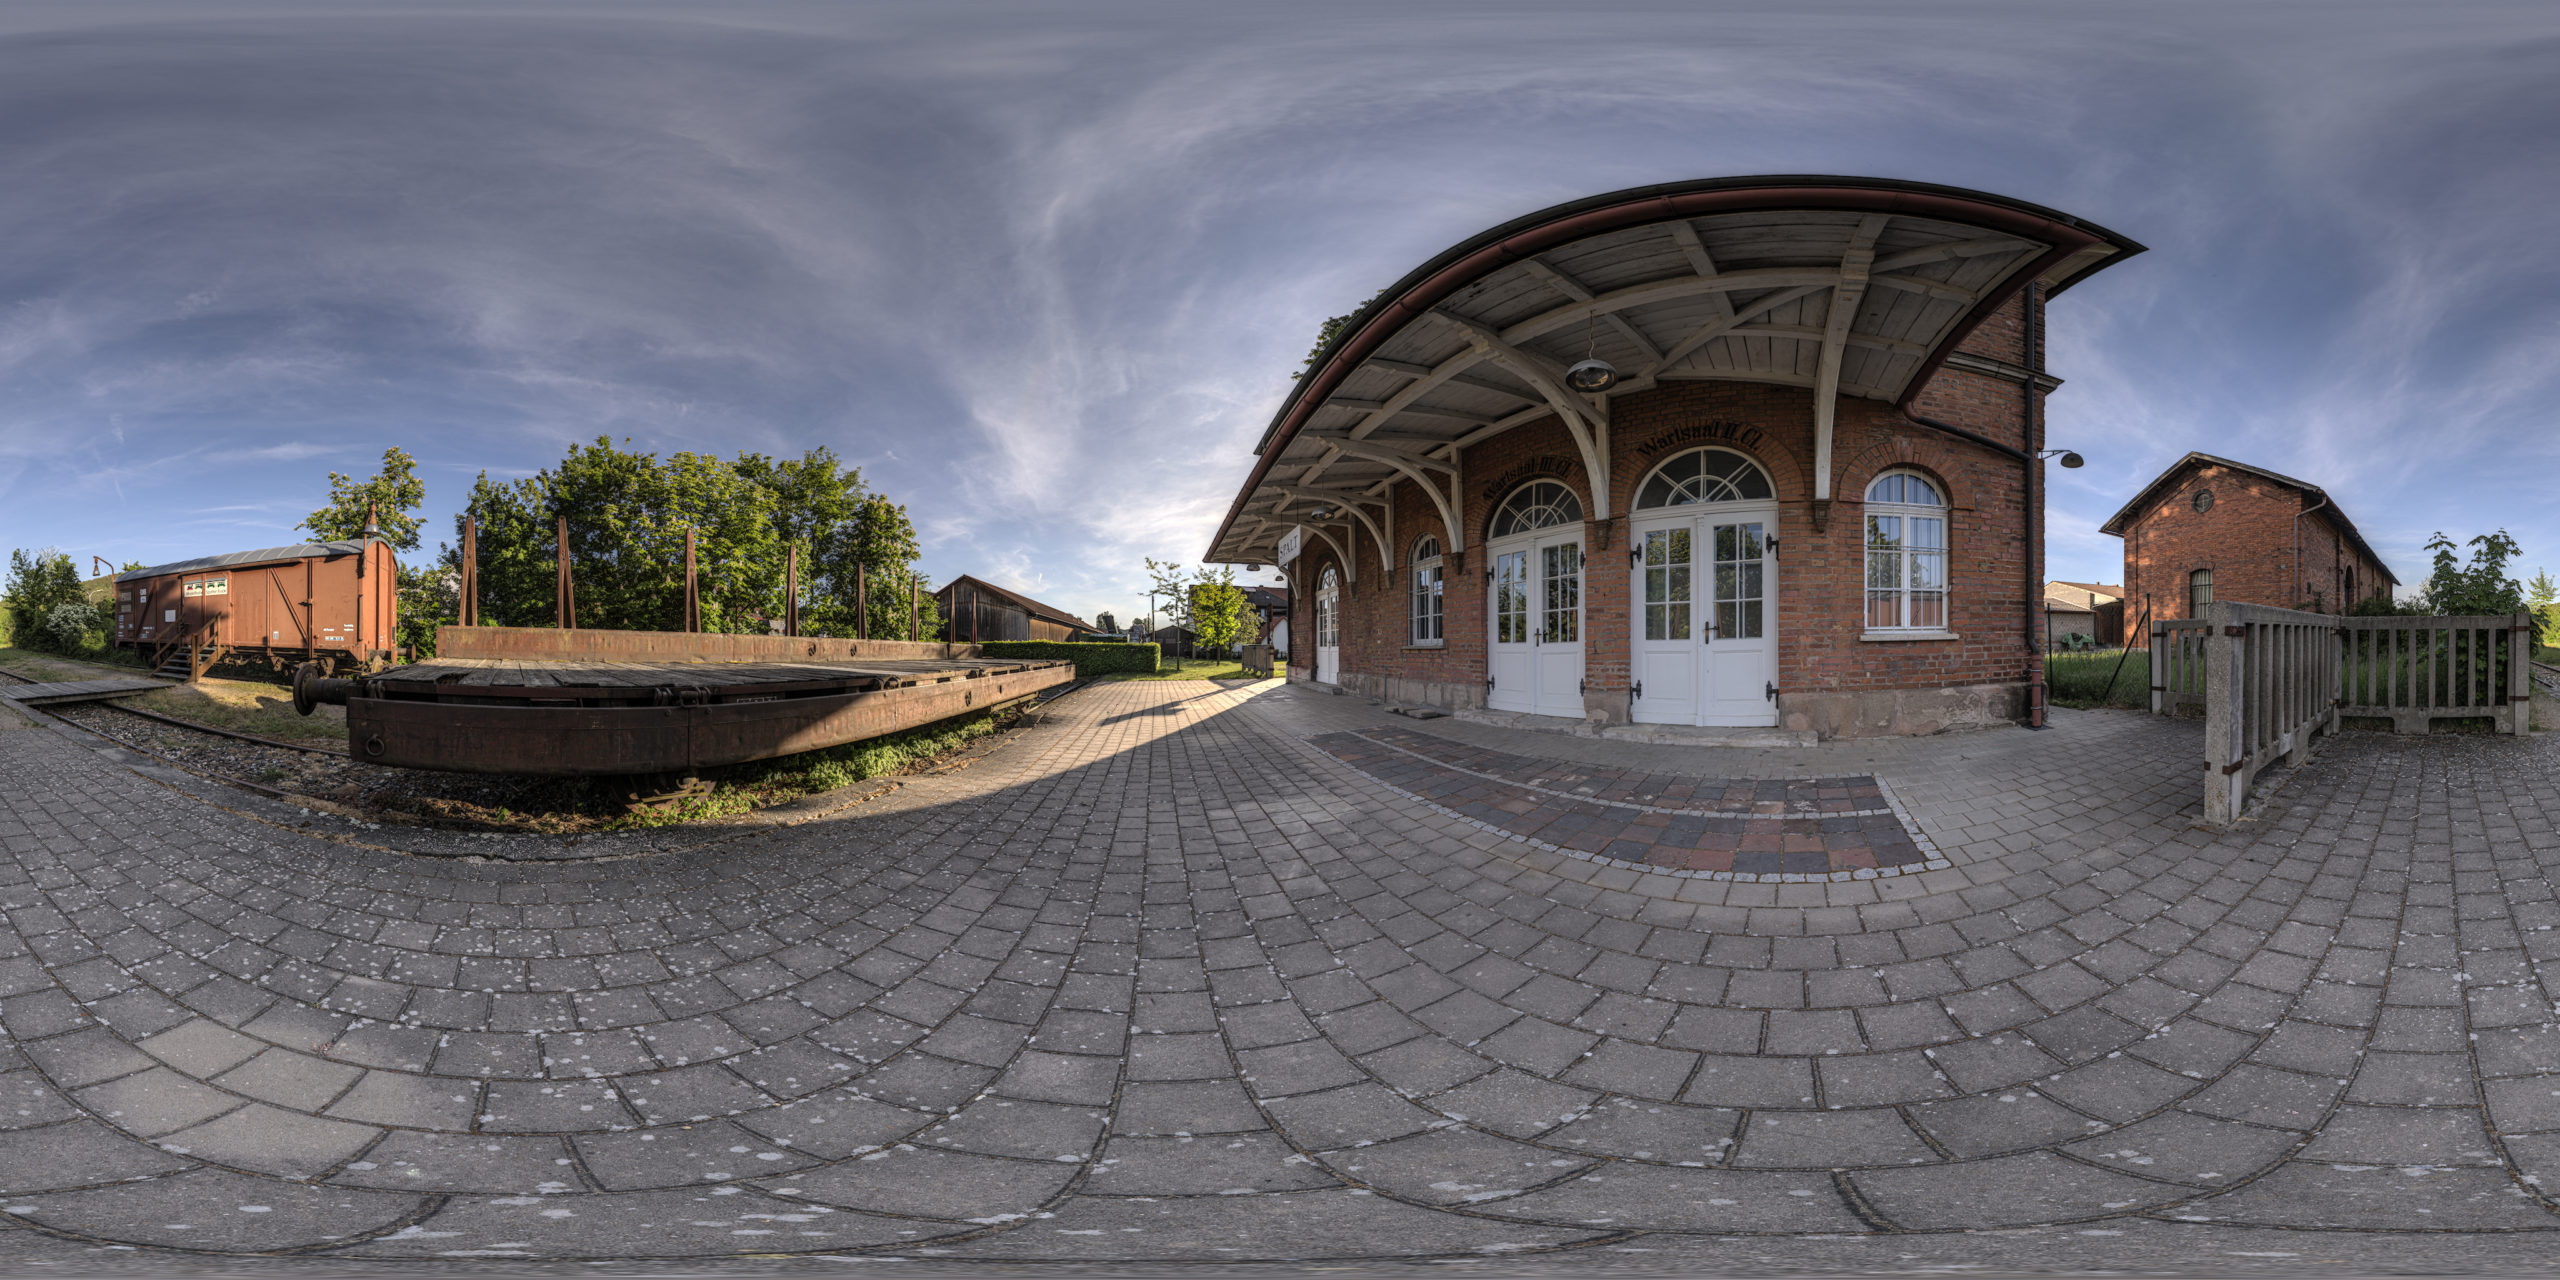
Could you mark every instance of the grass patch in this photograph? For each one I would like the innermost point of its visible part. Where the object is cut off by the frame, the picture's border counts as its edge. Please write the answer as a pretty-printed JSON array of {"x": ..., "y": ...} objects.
[
  {"x": 1200, "y": 669},
  {"x": 2548, "y": 654},
  {"x": 247, "y": 706},
  {"x": 2083, "y": 680},
  {"x": 45, "y": 666}
]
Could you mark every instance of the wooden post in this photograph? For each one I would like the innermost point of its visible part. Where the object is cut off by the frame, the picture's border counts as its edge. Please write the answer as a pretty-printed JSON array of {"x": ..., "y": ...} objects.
[
  {"x": 565, "y": 594},
  {"x": 791, "y": 590},
  {"x": 2520, "y": 676},
  {"x": 861, "y": 603},
  {"x": 470, "y": 572},
  {"x": 692, "y": 591},
  {"x": 2225, "y": 718},
  {"x": 914, "y": 612}
]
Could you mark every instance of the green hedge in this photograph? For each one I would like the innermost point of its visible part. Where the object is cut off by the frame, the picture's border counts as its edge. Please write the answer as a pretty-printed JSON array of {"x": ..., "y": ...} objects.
[{"x": 1090, "y": 659}]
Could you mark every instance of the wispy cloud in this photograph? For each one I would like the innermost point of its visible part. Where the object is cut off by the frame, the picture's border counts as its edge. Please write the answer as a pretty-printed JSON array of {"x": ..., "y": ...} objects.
[{"x": 1045, "y": 273}]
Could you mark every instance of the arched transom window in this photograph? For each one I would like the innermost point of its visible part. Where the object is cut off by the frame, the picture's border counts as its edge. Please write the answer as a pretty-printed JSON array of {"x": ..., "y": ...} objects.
[
  {"x": 1537, "y": 505},
  {"x": 1426, "y": 591},
  {"x": 1703, "y": 475},
  {"x": 1906, "y": 554}
]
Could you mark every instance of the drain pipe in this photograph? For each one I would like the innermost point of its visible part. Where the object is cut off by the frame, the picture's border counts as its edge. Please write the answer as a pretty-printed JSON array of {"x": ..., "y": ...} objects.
[
  {"x": 2033, "y": 469},
  {"x": 2034, "y": 337},
  {"x": 2298, "y": 575}
]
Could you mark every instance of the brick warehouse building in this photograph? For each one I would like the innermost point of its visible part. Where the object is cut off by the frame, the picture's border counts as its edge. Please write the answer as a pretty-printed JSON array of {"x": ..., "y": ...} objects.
[
  {"x": 2213, "y": 529},
  {"x": 1802, "y": 489}
]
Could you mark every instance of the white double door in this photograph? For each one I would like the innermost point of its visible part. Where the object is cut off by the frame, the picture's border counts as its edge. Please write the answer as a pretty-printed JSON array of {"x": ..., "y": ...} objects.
[
  {"x": 1706, "y": 622},
  {"x": 1536, "y": 623}
]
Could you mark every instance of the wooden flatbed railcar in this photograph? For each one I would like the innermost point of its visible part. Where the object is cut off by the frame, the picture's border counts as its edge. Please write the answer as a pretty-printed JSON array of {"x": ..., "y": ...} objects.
[{"x": 589, "y": 710}]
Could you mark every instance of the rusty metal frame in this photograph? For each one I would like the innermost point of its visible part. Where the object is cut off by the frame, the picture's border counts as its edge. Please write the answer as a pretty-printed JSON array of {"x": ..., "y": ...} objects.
[{"x": 588, "y": 732}]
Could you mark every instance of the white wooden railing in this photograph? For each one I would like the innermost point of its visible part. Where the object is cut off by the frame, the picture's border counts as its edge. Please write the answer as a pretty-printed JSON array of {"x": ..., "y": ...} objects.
[
  {"x": 2177, "y": 665},
  {"x": 2272, "y": 681},
  {"x": 2414, "y": 670}
]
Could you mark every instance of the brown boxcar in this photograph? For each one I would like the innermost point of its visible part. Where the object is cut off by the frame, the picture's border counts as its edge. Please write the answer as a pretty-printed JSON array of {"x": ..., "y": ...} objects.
[{"x": 337, "y": 602}]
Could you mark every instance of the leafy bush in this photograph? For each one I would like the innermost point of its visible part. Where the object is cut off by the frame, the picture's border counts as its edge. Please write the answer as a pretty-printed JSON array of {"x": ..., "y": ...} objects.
[
  {"x": 65, "y": 627},
  {"x": 1090, "y": 659}
]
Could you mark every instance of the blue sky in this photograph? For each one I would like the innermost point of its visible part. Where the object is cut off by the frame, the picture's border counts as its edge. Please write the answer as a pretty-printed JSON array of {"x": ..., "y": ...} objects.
[{"x": 1044, "y": 271}]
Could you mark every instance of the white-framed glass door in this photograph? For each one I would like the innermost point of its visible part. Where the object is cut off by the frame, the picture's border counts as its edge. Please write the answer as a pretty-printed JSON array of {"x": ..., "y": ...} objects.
[
  {"x": 1511, "y": 657},
  {"x": 1742, "y": 651},
  {"x": 1557, "y": 640},
  {"x": 1705, "y": 634},
  {"x": 1329, "y": 628},
  {"x": 1669, "y": 625}
]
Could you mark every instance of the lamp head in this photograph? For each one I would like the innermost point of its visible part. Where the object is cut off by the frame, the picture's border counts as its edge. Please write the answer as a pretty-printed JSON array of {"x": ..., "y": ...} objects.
[{"x": 1591, "y": 377}]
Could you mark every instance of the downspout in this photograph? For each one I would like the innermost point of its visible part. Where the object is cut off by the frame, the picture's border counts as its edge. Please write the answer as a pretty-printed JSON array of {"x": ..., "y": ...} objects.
[
  {"x": 2297, "y": 541},
  {"x": 2034, "y": 469}
]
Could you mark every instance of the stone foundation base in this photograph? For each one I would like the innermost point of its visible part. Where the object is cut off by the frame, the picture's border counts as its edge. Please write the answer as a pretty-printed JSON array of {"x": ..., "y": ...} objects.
[
  {"x": 1886, "y": 713},
  {"x": 1398, "y": 691}
]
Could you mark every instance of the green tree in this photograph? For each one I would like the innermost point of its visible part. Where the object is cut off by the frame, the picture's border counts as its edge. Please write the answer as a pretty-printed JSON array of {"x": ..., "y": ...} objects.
[
  {"x": 1332, "y": 328},
  {"x": 2542, "y": 595},
  {"x": 1218, "y": 608},
  {"x": 43, "y": 591},
  {"x": 1167, "y": 585},
  {"x": 392, "y": 496},
  {"x": 2481, "y": 587},
  {"x": 628, "y": 512}
]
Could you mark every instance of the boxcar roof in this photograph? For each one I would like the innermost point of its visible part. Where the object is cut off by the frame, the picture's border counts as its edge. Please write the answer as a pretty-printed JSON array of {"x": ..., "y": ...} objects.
[{"x": 271, "y": 555}]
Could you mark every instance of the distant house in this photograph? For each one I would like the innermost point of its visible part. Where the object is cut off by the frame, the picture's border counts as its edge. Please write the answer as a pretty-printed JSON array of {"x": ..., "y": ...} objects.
[
  {"x": 1271, "y": 608},
  {"x": 2092, "y": 609},
  {"x": 2213, "y": 529},
  {"x": 974, "y": 609},
  {"x": 1175, "y": 640}
]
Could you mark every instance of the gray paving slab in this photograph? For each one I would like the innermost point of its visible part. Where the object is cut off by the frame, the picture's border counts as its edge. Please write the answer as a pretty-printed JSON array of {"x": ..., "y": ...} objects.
[{"x": 1157, "y": 979}]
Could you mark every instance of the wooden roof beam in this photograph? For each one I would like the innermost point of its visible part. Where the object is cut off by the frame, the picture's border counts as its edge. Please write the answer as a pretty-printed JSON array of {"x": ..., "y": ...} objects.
[
  {"x": 1587, "y": 417},
  {"x": 1418, "y": 468},
  {"x": 1845, "y": 297}
]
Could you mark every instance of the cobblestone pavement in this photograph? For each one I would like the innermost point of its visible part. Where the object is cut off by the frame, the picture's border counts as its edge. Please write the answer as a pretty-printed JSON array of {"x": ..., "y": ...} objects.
[{"x": 1162, "y": 979}]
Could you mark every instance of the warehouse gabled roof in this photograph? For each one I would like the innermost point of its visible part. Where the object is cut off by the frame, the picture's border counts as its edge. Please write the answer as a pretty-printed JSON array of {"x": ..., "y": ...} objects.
[
  {"x": 2116, "y": 524},
  {"x": 1029, "y": 605},
  {"x": 1857, "y": 286},
  {"x": 243, "y": 559}
]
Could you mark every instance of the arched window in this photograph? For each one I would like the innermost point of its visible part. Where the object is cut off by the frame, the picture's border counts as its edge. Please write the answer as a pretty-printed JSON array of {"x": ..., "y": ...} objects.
[
  {"x": 1426, "y": 591},
  {"x": 2199, "y": 592},
  {"x": 1537, "y": 505},
  {"x": 1906, "y": 554},
  {"x": 1328, "y": 610},
  {"x": 1703, "y": 475}
]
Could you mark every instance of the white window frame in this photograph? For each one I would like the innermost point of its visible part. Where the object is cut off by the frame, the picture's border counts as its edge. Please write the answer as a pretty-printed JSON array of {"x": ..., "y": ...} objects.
[
  {"x": 1906, "y": 557},
  {"x": 1427, "y": 604}
]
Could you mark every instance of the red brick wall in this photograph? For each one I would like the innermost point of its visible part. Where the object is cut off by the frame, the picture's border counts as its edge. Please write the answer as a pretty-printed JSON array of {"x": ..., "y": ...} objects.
[
  {"x": 2248, "y": 540},
  {"x": 1821, "y": 573}
]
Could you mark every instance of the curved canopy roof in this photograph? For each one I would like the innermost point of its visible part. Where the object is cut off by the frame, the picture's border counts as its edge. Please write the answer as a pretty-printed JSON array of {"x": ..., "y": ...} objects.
[{"x": 1858, "y": 284}]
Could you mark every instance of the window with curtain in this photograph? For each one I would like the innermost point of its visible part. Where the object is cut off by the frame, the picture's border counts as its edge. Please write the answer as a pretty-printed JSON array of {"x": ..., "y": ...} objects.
[
  {"x": 2199, "y": 592},
  {"x": 1906, "y": 554},
  {"x": 1426, "y": 591}
]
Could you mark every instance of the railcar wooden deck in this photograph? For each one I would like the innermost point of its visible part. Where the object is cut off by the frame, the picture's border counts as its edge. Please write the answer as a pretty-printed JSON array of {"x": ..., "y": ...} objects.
[{"x": 597, "y": 716}]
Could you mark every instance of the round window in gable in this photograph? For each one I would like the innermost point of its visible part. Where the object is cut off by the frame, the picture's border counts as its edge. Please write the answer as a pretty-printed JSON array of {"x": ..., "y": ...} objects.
[{"x": 2204, "y": 501}]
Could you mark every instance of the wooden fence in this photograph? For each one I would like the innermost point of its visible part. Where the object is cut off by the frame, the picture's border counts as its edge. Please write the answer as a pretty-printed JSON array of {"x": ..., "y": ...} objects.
[
  {"x": 2273, "y": 680},
  {"x": 2414, "y": 670},
  {"x": 2177, "y": 665}
]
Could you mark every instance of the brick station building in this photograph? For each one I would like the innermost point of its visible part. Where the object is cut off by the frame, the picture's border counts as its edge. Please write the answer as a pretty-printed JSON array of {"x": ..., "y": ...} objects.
[
  {"x": 1805, "y": 493},
  {"x": 2213, "y": 529}
]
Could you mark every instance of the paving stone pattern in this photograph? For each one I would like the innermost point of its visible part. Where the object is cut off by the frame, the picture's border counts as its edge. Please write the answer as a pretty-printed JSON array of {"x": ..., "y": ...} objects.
[
  {"x": 1782, "y": 829},
  {"x": 1162, "y": 979}
]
